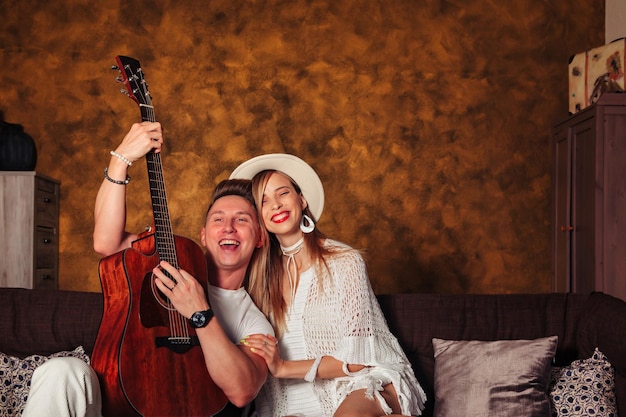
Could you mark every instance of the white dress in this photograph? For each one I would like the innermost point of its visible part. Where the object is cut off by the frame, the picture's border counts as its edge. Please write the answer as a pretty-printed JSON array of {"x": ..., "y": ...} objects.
[
  {"x": 342, "y": 318},
  {"x": 300, "y": 396}
]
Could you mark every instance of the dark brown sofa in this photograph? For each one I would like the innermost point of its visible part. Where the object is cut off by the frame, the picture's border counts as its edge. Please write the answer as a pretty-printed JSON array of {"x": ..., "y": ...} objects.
[{"x": 43, "y": 322}]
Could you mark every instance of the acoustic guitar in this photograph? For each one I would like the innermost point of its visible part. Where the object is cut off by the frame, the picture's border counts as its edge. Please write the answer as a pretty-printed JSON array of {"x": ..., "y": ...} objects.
[{"x": 146, "y": 355}]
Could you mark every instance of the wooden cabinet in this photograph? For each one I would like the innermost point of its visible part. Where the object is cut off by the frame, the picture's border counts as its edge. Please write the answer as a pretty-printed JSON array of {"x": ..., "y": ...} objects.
[
  {"x": 589, "y": 199},
  {"x": 29, "y": 230}
]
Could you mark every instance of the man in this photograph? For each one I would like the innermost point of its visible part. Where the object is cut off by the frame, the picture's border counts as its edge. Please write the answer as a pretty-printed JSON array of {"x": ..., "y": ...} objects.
[{"x": 230, "y": 235}]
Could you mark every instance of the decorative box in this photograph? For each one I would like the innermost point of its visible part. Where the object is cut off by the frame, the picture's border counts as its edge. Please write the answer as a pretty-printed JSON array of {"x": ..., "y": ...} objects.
[{"x": 595, "y": 72}]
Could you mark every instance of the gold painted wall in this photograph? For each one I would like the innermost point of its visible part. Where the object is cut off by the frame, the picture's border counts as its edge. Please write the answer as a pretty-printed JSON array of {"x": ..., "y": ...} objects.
[{"x": 428, "y": 121}]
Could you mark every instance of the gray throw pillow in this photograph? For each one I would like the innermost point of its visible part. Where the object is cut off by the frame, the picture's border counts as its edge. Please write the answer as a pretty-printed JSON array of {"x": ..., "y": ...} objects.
[{"x": 493, "y": 378}]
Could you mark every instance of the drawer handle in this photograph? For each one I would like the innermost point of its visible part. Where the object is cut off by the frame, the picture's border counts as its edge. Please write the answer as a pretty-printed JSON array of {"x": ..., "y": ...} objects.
[
  {"x": 566, "y": 228},
  {"x": 47, "y": 199},
  {"x": 46, "y": 277},
  {"x": 47, "y": 241}
]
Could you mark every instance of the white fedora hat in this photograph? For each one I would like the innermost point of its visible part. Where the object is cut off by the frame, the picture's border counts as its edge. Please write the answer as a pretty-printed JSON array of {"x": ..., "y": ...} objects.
[{"x": 301, "y": 172}]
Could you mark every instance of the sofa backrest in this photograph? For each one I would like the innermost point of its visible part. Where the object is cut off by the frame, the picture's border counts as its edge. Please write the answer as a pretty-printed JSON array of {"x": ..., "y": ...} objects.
[
  {"x": 416, "y": 319},
  {"x": 48, "y": 321}
]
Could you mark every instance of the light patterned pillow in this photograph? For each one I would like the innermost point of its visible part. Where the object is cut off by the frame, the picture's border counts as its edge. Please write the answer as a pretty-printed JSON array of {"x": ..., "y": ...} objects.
[
  {"x": 584, "y": 388},
  {"x": 15, "y": 375}
]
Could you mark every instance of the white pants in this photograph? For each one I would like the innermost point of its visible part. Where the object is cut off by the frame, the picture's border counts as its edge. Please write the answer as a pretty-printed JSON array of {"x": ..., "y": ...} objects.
[{"x": 64, "y": 387}]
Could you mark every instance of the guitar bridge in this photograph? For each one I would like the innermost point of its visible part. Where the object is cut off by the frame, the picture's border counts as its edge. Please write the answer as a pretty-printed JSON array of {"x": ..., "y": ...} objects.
[{"x": 177, "y": 344}]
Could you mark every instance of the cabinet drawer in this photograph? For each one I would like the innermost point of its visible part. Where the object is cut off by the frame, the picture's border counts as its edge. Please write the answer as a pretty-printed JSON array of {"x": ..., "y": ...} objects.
[
  {"x": 45, "y": 278},
  {"x": 47, "y": 206},
  {"x": 46, "y": 185},
  {"x": 46, "y": 248}
]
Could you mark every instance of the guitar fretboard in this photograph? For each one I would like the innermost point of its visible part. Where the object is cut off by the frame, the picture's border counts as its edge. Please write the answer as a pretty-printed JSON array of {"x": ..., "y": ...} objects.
[{"x": 164, "y": 236}]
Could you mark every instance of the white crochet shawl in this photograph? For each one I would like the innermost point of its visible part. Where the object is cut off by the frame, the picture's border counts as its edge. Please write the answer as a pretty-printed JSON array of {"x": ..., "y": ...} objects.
[{"x": 342, "y": 319}]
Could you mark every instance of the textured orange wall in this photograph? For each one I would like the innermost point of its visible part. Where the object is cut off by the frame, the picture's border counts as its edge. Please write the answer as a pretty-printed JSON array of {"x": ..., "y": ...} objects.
[{"x": 428, "y": 121}]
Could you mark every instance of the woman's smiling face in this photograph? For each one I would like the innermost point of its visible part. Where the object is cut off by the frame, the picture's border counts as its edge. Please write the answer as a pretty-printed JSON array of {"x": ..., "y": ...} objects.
[{"x": 282, "y": 206}]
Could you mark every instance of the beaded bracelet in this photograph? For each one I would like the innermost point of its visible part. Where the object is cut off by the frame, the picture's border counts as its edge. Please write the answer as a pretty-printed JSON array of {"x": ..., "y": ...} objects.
[
  {"x": 122, "y": 157},
  {"x": 106, "y": 176}
]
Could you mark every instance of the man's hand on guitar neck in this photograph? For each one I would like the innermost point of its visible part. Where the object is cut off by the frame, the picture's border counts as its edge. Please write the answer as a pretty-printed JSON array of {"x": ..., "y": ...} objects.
[{"x": 142, "y": 138}]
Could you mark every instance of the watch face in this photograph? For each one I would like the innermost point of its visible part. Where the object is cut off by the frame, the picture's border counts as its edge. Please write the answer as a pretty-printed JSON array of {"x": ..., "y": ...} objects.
[{"x": 198, "y": 319}]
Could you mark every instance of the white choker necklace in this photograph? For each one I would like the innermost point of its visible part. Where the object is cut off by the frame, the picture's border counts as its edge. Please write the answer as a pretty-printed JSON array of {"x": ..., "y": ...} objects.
[
  {"x": 287, "y": 251},
  {"x": 290, "y": 252}
]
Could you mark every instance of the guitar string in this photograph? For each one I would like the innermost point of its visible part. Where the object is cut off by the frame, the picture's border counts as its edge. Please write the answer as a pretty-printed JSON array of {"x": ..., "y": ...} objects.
[
  {"x": 178, "y": 327},
  {"x": 140, "y": 86}
]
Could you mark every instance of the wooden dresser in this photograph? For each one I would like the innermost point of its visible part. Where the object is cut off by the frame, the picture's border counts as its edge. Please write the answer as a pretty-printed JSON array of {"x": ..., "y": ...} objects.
[
  {"x": 29, "y": 230},
  {"x": 589, "y": 199}
]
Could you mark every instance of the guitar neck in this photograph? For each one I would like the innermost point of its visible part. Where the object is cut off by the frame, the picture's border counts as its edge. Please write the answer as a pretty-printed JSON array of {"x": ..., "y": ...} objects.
[
  {"x": 137, "y": 89},
  {"x": 164, "y": 237}
]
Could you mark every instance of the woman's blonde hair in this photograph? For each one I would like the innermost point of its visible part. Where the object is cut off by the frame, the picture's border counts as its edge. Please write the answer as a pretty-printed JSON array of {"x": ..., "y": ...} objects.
[{"x": 266, "y": 271}]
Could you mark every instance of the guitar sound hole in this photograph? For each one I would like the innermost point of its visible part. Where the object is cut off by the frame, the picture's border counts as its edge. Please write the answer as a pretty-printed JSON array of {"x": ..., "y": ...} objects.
[
  {"x": 158, "y": 295},
  {"x": 154, "y": 306}
]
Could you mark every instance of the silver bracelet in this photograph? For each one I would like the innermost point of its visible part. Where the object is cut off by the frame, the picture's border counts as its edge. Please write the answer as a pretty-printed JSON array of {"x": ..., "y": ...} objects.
[
  {"x": 310, "y": 376},
  {"x": 106, "y": 176},
  {"x": 122, "y": 157}
]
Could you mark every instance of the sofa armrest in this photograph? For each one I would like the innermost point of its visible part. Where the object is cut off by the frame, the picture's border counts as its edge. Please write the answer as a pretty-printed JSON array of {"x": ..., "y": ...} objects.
[{"x": 603, "y": 325}]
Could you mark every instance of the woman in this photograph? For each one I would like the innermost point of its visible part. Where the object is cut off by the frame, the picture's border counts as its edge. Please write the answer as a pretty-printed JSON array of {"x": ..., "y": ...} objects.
[{"x": 334, "y": 354}]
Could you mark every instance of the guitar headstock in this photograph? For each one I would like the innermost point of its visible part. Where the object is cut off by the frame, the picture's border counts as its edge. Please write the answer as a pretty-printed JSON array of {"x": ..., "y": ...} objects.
[{"x": 132, "y": 76}]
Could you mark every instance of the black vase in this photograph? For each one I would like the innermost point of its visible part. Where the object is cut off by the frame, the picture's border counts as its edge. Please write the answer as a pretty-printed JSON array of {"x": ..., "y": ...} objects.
[{"x": 17, "y": 148}]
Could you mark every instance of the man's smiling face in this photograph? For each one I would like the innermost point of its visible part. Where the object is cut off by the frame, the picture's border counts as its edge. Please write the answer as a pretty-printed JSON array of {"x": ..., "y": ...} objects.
[{"x": 231, "y": 233}]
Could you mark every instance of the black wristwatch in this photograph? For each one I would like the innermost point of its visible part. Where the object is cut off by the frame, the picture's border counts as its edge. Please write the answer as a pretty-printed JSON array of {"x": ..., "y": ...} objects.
[{"x": 200, "y": 318}]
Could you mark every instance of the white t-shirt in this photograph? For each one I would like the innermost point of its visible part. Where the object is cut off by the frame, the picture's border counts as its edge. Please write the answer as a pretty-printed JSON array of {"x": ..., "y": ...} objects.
[{"x": 237, "y": 313}]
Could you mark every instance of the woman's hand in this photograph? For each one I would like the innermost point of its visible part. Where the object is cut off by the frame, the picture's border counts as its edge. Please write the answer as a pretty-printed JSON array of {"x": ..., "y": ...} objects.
[{"x": 266, "y": 346}]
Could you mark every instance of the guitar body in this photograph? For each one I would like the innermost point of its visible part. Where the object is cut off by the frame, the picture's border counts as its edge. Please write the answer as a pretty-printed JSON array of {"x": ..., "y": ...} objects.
[{"x": 141, "y": 374}]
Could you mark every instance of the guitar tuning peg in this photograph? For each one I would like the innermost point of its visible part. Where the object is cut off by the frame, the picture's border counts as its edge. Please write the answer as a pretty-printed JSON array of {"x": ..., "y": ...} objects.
[
  {"x": 124, "y": 91},
  {"x": 115, "y": 67},
  {"x": 119, "y": 79}
]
